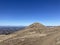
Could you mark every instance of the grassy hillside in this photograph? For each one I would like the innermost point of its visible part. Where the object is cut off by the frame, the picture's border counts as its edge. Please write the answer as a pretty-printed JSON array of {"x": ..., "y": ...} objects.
[{"x": 34, "y": 34}]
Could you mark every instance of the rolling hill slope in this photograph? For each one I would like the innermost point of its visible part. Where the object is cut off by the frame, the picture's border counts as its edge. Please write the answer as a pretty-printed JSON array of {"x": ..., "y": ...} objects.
[{"x": 34, "y": 34}]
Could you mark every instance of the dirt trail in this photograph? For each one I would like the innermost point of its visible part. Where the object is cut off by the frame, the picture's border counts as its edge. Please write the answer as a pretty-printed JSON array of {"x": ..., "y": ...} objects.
[{"x": 50, "y": 40}]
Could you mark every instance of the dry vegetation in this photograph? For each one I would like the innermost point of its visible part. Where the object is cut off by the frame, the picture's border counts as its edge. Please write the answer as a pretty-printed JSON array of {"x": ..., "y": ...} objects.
[{"x": 35, "y": 34}]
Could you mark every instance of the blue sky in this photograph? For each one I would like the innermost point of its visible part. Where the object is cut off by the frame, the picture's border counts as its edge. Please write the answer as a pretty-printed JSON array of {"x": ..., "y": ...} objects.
[{"x": 25, "y": 12}]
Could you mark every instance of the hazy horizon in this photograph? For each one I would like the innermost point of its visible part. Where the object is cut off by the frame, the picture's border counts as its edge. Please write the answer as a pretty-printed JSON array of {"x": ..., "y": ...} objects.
[{"x": 26, "y": 12}]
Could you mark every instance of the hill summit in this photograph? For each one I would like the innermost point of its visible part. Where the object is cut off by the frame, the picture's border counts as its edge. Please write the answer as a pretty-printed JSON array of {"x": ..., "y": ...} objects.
[{"x": 36, "y": 25}]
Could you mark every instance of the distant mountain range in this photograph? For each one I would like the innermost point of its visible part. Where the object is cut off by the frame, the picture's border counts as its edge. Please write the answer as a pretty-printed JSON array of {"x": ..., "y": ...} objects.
[{"x": 10, "y": 29}]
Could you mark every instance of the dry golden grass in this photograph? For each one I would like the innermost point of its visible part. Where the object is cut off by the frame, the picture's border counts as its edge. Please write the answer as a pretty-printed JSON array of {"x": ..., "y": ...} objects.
[{"x": 35, "y": 34}]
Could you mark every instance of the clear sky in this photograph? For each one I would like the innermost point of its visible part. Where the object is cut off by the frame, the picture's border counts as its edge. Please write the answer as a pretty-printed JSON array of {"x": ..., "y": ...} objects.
[{"x": 25, "y": 12}]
